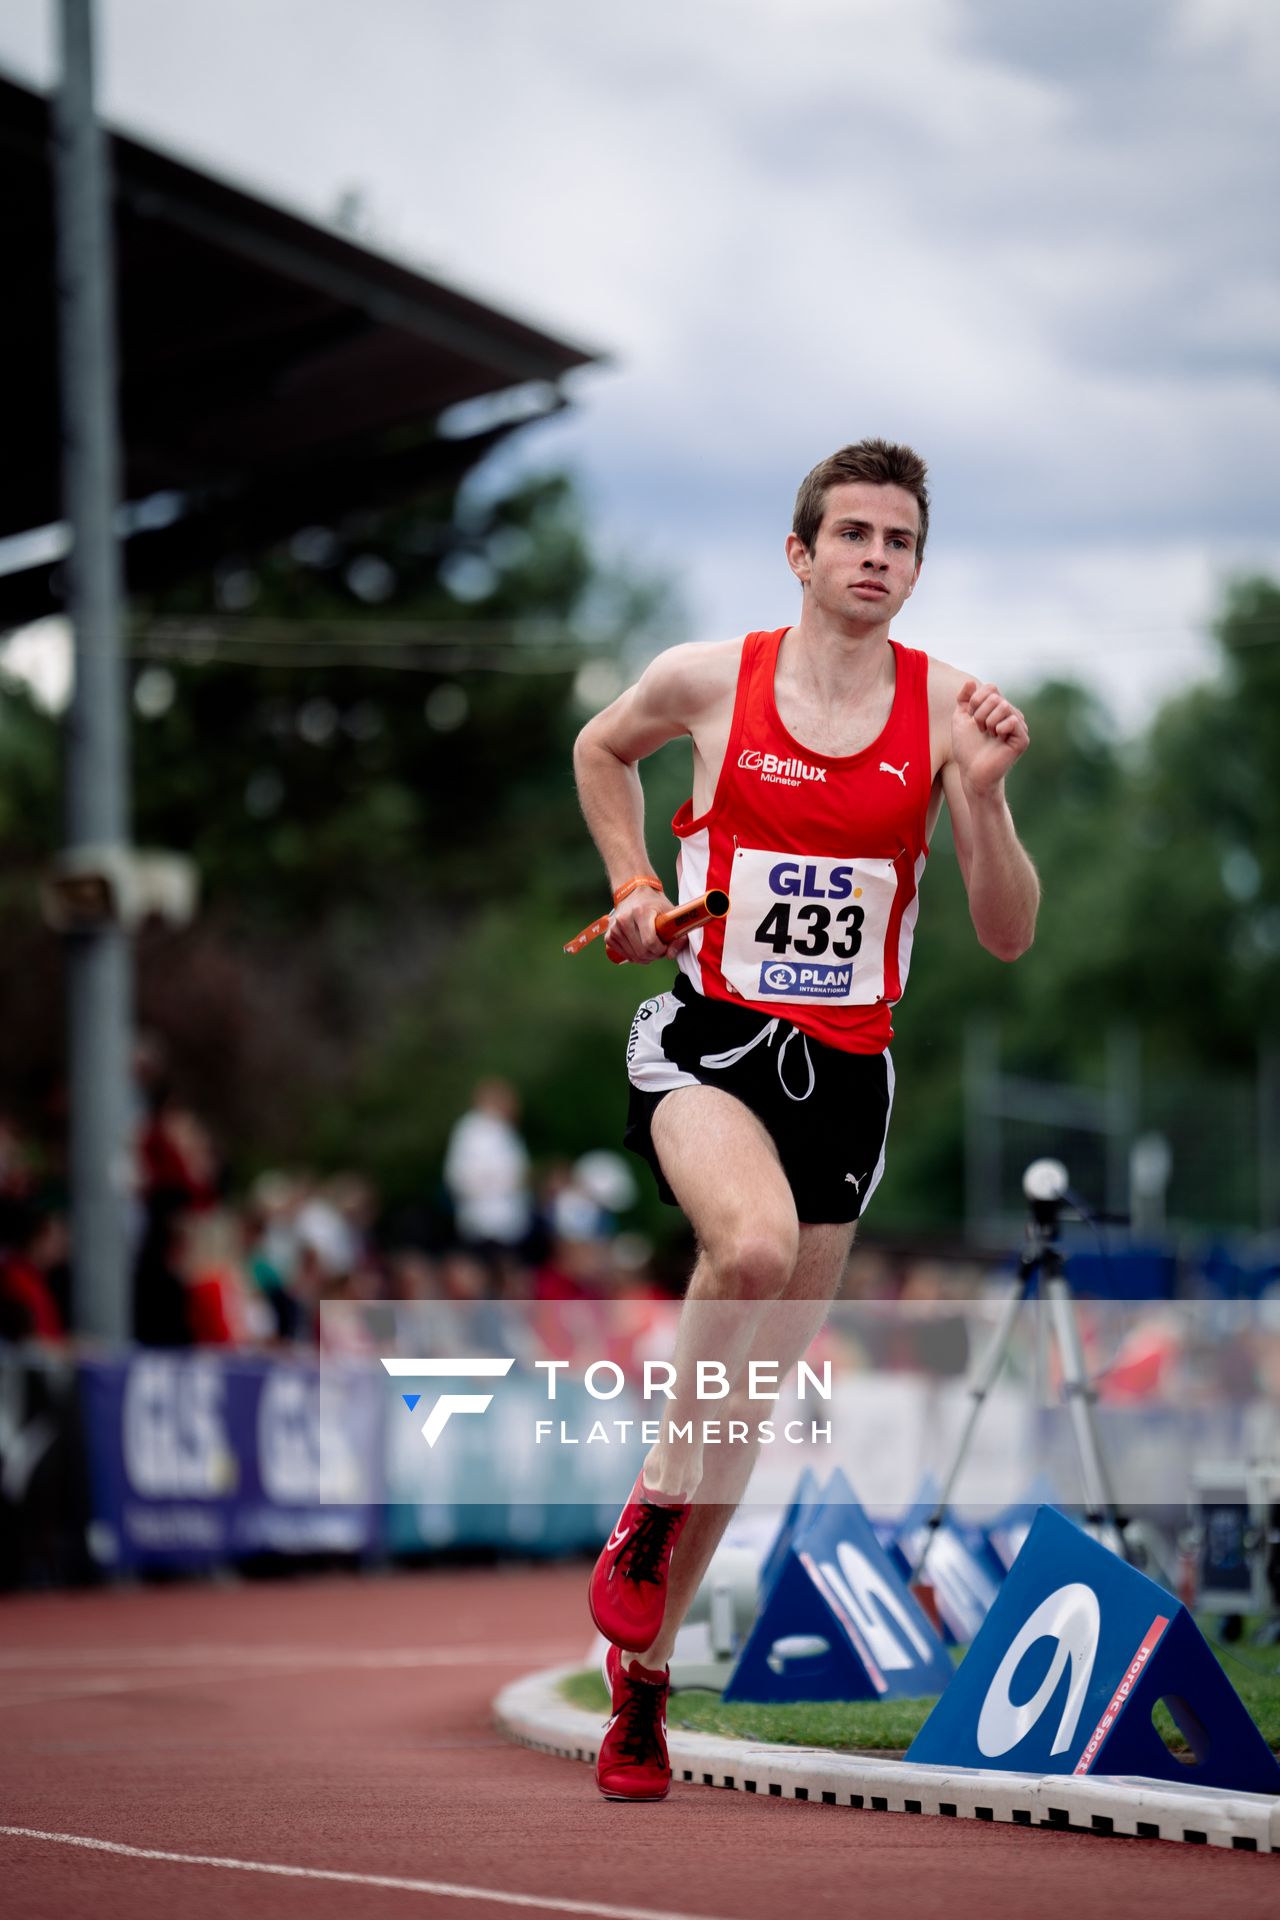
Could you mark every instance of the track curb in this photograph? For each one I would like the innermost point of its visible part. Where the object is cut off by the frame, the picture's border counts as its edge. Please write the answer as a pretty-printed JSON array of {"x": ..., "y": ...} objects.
[{"x": 532, "y": 1711}]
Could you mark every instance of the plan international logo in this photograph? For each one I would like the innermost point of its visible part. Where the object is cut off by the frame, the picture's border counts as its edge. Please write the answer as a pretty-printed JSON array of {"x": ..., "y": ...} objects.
[{"x": 605, "y": 1380}]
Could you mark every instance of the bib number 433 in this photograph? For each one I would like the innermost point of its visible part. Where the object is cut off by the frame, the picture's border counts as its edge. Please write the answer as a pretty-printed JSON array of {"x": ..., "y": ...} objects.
[
  {"x": 815, "y": 924},
  {"x": 808, "y": 929}
]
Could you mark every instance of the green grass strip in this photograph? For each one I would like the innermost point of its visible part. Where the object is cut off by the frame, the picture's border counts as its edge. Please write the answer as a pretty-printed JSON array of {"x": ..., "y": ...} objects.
[
  {"x": 889, "y": 1726},
  {"x": 882, "y": 1726}
]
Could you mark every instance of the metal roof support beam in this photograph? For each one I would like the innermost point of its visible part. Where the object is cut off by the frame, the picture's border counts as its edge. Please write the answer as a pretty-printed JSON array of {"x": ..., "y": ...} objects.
[
  {"x": 346, "y": 285},
  {"x": 96, "y": 778}
]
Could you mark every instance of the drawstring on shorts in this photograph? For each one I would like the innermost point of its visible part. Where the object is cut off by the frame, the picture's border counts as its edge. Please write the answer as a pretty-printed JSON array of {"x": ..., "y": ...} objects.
[{"x": 768, "y": 1033}]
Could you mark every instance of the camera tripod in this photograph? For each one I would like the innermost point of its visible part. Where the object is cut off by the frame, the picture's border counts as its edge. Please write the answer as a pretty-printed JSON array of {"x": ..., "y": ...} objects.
[{"x": 1046, "y": 1187}]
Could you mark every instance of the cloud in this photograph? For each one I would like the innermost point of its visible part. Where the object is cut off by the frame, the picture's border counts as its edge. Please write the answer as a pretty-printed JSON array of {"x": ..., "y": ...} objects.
[{"x": 1028, "y": 241}]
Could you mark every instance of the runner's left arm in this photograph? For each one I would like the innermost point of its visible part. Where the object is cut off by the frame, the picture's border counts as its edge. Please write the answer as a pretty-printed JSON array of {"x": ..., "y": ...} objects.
[{"x": 988, "y": 736}]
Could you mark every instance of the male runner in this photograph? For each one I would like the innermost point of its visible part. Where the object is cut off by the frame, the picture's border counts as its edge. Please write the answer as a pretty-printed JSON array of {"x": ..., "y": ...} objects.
[{"x": 761, "y": 1084}]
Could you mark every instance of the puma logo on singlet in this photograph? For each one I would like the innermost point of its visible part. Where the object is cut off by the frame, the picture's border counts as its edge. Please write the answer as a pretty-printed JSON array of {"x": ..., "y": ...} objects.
[{"x": 898, "y": 773}]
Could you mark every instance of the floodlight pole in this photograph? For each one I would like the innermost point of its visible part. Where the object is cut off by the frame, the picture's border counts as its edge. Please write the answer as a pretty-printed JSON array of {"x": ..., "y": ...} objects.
[{"x": 96, "y": 755}]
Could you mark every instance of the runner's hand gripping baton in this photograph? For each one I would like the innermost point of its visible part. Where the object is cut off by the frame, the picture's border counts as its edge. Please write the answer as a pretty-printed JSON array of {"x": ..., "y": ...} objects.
[{"x": 669, "y": 925}]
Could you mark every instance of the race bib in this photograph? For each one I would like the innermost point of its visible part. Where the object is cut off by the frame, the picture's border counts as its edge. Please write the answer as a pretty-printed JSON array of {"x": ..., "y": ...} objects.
[{"x": 808, "y": 928}]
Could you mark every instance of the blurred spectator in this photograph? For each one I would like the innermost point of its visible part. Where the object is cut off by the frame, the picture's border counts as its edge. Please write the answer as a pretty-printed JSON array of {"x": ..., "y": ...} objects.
[
  {"x": 486, "y": 1169},
  {"x": 463, "y": 1276},
  {"x": 177, "y": 1157},
  {"x": 576, "y": 1268},
  {"x": 565, "y": 1210},
  {"x": 17, "y": 1169},
  {"x": 870, "y": 1275},
  {"x": 178, "y": 1174},
  {"x": 939, "y": 1329},
  {"x": 335, "y": 1261},
  {"x": 355, "y": 1199},
  {"x": 33, "y": 1246},
  {"x": 221, "y": 1307},
  {"x": 580, "y": 1202},
  {"x": 272, "y": 1245},
  {"x": 1147, "y": 1364},
  {"x": 458, "y": 1317},
  {"x": 607, "y": 1181},
  {"x": 412, "y": 1276},
  {"x": 328, "y": 1251}
]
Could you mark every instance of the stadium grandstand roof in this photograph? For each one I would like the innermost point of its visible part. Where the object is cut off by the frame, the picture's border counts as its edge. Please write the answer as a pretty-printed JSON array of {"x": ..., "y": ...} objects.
[{"x": 273, "y": 373}]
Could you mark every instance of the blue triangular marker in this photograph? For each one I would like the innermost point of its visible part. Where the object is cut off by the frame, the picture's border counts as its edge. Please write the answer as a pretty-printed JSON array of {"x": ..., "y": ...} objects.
[
  {"x": 837, "y": 1622},
  {"x": 806, "y": 1495},
  {"x": 411, "y": 1400},
  {"x": 965, "y": 1576},
  {"x": 838, "y": 1492},
  {"x": 1066, "y": 1668},
  {"x": 1006, "y": 1533}
]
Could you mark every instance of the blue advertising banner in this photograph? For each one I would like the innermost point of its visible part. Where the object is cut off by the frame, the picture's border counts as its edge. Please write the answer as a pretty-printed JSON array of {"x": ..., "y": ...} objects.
[
  {"x": 1063, "y": 1677},
  {"x": 199, "y": 1457}
]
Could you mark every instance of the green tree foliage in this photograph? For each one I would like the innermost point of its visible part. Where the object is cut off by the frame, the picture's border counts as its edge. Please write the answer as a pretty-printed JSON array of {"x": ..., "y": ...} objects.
[
  {"x": 1212, "y": 813},
  {"x": 30, "y": 972},
  {"x": 365, "y": 744},
  {"x": 341, "y": 764},
  {"x": 1160, "y": 865}
]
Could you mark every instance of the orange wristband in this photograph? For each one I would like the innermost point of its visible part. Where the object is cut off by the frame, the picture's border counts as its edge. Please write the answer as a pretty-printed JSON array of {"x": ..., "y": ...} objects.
[
  {"x": 597, "y": 927},
  {"x": 629, "y": 886}
]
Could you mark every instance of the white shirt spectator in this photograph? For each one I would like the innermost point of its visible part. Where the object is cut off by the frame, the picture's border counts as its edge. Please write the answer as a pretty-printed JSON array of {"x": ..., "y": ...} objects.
[{"x": 486, "y": 1170}]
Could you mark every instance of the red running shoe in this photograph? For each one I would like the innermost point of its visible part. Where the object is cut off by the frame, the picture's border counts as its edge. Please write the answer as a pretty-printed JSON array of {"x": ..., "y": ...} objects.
[
  {"x": 628, "y": 1591},
  {"x": 632, "y": 1763}
]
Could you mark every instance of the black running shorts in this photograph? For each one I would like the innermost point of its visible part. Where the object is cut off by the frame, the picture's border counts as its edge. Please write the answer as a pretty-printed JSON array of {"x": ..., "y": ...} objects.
[{"x": 826, "y": 1111}]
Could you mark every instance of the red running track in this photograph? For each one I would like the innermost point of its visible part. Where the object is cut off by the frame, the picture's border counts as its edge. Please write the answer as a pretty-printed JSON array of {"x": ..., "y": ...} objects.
[{"x": 341, "y": 1727}]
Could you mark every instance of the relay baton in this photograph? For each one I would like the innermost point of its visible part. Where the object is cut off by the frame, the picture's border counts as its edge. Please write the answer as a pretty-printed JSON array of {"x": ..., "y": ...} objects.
[
  {"x": 694, "y": 913},
  {"x": 668, "y": 925}
]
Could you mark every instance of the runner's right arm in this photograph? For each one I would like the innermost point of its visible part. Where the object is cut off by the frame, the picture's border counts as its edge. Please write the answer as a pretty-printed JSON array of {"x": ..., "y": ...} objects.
[{"x": 672, "y": 695}]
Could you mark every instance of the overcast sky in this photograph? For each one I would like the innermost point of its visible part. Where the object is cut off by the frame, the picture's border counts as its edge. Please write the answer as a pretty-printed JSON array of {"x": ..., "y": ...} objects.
[{"x": 1038, "y": 242}]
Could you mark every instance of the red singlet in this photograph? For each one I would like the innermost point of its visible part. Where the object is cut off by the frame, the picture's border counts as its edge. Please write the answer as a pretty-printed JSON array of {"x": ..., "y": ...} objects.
[{"x": 820, "y": 857}]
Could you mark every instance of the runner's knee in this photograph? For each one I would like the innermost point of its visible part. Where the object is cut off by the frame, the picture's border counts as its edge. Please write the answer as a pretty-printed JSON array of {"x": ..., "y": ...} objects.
[{"x": 756, "y": 1265}]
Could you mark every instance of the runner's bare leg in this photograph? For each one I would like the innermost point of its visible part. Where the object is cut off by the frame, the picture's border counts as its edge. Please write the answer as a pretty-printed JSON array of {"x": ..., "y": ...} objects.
[
  {"x": 724, "y": 1170},
  {"x": 824, "y": 1251}
]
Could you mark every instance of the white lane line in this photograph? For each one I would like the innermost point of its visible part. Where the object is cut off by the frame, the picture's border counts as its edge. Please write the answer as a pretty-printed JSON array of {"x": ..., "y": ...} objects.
[
  {"x": 214, "y": 1672},
  {"x": 442, "y": 1889},
  {"x": 287, "y": 1653}
]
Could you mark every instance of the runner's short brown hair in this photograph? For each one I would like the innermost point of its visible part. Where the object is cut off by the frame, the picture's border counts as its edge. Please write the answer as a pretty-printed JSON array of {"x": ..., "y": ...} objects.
[{"x": 878, "y": 461}]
